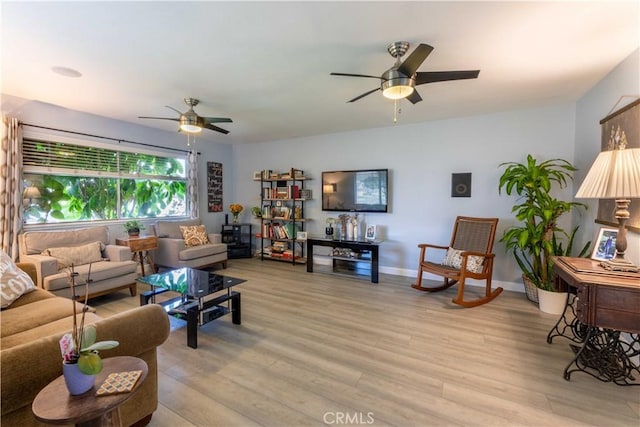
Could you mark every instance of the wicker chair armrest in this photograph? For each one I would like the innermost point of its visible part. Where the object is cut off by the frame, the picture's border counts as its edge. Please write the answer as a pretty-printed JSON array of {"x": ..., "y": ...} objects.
[
  {"x": 472, "y": 253},
  {"x": 429, "y": 245}
]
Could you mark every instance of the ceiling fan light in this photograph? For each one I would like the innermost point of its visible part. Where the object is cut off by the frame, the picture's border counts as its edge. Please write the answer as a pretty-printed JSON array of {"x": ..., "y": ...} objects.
[
  {"x": 396, "y": 85},
  {"x": 189, "y": 124},
  {"x": 397, "y": 92},
  {"x": 190, "y": 128}
]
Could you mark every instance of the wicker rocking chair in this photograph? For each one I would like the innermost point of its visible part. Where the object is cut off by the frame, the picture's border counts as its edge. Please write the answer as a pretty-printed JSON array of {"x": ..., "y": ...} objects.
[{"x": 468, "y": 257}]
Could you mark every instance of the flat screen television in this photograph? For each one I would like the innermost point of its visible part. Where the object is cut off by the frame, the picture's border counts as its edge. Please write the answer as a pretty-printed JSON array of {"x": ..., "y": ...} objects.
[{"x": 355, "y": 190}]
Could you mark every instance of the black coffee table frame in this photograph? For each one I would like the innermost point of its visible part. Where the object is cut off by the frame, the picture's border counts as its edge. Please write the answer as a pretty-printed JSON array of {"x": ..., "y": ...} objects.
[{"x": 196, "y": 310}]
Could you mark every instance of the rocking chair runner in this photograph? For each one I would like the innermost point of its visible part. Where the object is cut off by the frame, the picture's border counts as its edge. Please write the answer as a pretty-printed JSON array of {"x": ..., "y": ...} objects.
[{"x": 472, "y": 238}]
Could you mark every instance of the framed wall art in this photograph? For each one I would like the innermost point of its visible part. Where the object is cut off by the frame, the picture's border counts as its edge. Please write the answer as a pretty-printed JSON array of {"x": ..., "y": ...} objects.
[
  {"x": 620, "y": 127},
  {"x": 214, "y": 187}
]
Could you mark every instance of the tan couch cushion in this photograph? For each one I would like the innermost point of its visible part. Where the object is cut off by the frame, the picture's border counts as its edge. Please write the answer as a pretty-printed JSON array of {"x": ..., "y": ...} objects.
[
  {"x": 34, "y": 242},
  {"x": 13, "y": 281},
  {"x": 102, "y": 270},
  {"x": 58, "y": 326},
  {"x": 196, "y": 252},
  {"x": 194, "y": 235},
  {"x": 171, "y": 229},
  {"x": 34, "y": 315},
  {"x": 76, "y": 255}
]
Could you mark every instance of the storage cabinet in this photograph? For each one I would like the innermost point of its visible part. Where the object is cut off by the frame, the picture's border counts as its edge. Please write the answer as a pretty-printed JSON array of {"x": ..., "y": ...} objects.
[
  {"x": 238, "y": 240},
  {"x": 283, "y": 195}
]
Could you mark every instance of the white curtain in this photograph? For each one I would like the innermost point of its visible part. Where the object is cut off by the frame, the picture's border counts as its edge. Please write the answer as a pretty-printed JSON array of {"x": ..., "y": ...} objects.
[
  {"x": 10, "y": 185},
  {"x": 192, "y": 183}
]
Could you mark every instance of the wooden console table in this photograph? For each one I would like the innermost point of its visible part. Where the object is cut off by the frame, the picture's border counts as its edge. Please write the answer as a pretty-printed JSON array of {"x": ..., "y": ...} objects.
[
  {"x": 602, "y": 304},
  {"x": 140, "y": 246}
]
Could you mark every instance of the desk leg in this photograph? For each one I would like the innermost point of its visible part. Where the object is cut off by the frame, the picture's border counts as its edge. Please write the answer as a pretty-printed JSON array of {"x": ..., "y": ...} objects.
[
  {"x": 568, "y": 325},
  {"x": 606, "y": 357}
]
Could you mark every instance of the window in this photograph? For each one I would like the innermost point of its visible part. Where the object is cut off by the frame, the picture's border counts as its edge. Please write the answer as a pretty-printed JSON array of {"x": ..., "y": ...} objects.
[{"x": 77, "y": 182}]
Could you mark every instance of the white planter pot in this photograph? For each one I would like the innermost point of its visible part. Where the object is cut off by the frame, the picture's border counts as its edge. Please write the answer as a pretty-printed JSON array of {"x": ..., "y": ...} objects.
[{"x": 552, "y": 302}]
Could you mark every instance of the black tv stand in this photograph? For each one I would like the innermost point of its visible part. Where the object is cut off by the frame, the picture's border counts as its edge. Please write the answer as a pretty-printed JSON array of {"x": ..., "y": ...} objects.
[{"x": 366, "y": 249}]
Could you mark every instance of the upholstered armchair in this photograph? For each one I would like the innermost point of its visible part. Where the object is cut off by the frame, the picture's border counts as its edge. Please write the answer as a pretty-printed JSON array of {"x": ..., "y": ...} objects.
[
  {"x": 90, "y": 252},
  {"x": 200, "y": 249}
]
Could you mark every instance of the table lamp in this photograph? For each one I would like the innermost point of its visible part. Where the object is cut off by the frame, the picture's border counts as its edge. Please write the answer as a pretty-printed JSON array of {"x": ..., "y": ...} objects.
[{"x": 615, "y": 174}]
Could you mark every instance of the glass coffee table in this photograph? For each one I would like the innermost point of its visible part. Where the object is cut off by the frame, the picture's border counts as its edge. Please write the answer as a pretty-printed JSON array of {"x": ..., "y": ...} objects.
[{"x": 204, "y": 296}]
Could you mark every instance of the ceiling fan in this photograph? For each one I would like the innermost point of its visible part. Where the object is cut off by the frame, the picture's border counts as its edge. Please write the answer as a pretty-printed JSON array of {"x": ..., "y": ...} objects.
[
  {"x": 400, "y": 80},
  {"x": 191, "y": 122}
]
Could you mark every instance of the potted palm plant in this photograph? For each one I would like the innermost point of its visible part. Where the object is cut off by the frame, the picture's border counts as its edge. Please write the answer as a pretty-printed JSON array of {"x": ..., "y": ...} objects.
[{"x": 537, "y": 238}]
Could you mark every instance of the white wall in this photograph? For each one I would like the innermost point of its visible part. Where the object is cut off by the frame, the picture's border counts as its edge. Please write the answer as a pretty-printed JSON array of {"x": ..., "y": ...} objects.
[
  {"x": 48, "y": 115},
  {"x": 598, "y": 103},
  {"x": 421, "y": 159}
]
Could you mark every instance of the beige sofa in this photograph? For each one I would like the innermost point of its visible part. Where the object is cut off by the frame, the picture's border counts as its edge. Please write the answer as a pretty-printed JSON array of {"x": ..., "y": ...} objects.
[
  {"x": 173, "y": 253},
  {"x": 31, "y": 328},
  {"x": 51, "y": 251}
]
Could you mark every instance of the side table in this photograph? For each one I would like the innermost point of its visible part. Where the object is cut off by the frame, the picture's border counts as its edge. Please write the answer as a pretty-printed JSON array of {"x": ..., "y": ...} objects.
[
  {"x": 140, "y": 246},
  {"x": 54, "y": 404}
]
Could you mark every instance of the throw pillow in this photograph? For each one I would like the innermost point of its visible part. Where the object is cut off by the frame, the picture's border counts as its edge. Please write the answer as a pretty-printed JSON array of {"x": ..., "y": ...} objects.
[
  {"x": 194, "y": 235},
  {"x": 454, "y": 259},
  {"x": 14, "y": 282},
  {"x": 76, "y": 255}
]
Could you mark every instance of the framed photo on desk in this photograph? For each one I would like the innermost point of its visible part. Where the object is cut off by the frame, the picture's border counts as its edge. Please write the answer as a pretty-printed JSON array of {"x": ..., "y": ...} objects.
[{"x": 604, "y": 247}]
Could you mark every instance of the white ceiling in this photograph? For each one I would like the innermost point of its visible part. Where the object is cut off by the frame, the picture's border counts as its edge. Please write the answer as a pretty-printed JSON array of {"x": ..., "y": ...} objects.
[{"x": 266, "y": 64}]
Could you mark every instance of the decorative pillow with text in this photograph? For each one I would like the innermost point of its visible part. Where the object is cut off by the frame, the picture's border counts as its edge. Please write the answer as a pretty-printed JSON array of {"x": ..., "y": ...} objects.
[
  {"x": 13, "y": 281},
  {"x": 194, "y": 235},
  {"x": 454, "y": 259}
]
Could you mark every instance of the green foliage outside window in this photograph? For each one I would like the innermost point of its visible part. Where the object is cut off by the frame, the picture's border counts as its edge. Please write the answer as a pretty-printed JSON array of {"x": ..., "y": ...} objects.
[{"x": 100, "y": 184}]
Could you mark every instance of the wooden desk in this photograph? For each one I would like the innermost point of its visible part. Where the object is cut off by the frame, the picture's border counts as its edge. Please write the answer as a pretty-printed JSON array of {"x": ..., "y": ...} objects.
[
  {"x": 140, "y": 246},
  {"x": 604, "y": 304},
  {"x": 54, "y": 404}
]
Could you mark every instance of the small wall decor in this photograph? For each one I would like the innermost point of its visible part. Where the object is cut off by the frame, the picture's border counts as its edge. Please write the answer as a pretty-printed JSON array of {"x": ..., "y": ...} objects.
[
  {"x": 604, "y": 247},
  {"x": 214, "y": 187},
  {"x": 620, "y": 127},
  {"x": 461, "y": 184}
]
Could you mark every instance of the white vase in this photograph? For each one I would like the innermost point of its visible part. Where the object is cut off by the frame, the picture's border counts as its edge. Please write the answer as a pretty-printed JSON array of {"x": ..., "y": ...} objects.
[{"x": 552, "y": 302}]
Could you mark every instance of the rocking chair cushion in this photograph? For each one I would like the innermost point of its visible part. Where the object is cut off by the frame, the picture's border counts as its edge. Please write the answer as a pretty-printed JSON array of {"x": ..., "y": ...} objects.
[{"x": 454, "y": 259}]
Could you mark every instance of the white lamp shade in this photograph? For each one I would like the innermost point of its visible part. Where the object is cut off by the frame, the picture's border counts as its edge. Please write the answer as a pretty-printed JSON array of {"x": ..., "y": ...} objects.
[{"x": 615, "y": 174}]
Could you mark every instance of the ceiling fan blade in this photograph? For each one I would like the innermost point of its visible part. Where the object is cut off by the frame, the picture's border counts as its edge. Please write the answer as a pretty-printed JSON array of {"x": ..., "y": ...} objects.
[
  {"x": 415, "y": 59},
  {"x": 208, "y": 120},
  {"x": 159, "y": 118},
  {"x": 216, "y": 128},
  {"x": 414, "y": 97},
  {"x": 356, "y": 75},
  {"x": 363, "y": 95},
  {"x": 442, "y": 76},
  {"x": 171, "y": 108}
]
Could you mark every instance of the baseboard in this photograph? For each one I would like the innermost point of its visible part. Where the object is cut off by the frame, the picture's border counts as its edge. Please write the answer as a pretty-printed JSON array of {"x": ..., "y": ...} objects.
[{"x": 405, "y": 272}]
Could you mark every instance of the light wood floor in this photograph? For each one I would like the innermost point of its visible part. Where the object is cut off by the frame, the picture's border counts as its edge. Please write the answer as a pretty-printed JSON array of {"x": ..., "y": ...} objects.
[{"x": 319, "y": 349}]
